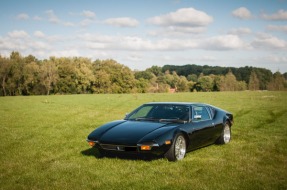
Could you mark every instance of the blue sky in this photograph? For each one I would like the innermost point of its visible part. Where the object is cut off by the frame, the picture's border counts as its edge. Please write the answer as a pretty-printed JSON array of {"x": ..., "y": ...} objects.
[{"x": 143, "y": 33}]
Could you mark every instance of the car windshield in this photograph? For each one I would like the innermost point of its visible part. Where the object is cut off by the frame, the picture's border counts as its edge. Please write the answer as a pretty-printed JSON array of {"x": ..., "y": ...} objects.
[{"x": 161, "y": 113}]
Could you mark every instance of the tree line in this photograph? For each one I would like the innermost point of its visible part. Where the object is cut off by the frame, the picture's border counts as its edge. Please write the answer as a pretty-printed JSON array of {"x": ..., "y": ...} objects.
[{"x": 21, "y": 75}]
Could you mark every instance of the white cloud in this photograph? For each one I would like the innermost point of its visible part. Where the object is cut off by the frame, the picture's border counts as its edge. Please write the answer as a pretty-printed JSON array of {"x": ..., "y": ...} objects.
[
  {"x": 180, "y": 23},
  {"x": 122, "y": 22},
  {"x": 21, "y": 41},
  {"x": 207, "y": 58},
  {"x": 277, "y": 28},
  {"x": 224, "y": 42},
  {"x": 242, "y": 13},
  {"x": 49, "y": 39},
  {"x": 68, "y": 24},
  {"x": 97, "y": 38},
  {"x": 52, "y": 17},
  {"x": 39, "y": 45},
  {"x": 18, "y": 34},
  {"x": 177, "y": 31},
  {"x": 89, "y": 14},
  {"x": 134, "y": 58},
  {"x": 188, "y": 17},
  {"x": 37, "y": 18},
  {"x": 86, "y": 22},
  {"x": 134, "y": 43},
  {"x": 23, "y": 16},
  {"x": 275, "y": 58},
  {"x": 66, "y": 53},
  {"x": 176, "y": 44},
  {"x": 39, "y": 34},
  {"x": 240, "y": 31},
  {"x": 279, "y": 15},
  {"x": 265, "y": 41},
  {"x": 90, "y": 17},
  {"x": 271, "y": 61},
  {"x": 7, "y": 45}
]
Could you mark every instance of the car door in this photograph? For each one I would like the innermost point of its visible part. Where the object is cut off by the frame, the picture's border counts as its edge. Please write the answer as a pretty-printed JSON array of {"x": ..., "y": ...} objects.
[
  {"x": 202, "y": 128},
  {"x": 217, "y": 123}
]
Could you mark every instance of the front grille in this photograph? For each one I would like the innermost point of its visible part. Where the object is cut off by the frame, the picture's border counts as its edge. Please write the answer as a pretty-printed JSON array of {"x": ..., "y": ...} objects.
[{"x": 118, "y": 147}]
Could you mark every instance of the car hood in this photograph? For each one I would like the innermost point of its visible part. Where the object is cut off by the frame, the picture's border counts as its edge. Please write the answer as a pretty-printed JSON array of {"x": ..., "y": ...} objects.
[{"x": 130, "y": 132}]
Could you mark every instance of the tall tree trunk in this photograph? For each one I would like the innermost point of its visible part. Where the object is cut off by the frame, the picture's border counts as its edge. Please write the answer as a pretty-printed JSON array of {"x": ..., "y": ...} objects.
[
  {"x": 48, "y": 91},
  {"x": 3, "y": 85},
  {"x": 48, "y": 86}
]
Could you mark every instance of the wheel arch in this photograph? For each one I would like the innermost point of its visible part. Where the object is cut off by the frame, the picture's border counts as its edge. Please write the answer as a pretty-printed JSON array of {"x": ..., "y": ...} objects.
[
  {"x": 185, "y": 135},
  {"x": 228, "y": 118}
]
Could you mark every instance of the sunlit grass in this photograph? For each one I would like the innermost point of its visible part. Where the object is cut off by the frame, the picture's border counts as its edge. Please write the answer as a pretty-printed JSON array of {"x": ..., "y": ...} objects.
[{"x": 42, "y": 143}]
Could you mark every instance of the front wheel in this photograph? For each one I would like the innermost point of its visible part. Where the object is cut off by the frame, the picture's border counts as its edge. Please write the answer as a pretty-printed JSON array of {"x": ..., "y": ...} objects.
[
  {"x": 177, "y": 150},
  {"x": 100, "y": 153},
  {"x": 225, "y": 136}
]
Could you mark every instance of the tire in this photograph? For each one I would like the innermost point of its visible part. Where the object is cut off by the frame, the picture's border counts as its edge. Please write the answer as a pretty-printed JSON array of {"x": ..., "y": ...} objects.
[
  {"x": 177, "y": 150},
  {"x": 101, "y": 153},
  {"x": 225, "y": 136}
]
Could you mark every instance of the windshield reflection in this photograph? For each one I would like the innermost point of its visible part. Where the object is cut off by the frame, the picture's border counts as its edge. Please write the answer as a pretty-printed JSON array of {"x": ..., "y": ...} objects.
[{"x": 161, "y": 113}]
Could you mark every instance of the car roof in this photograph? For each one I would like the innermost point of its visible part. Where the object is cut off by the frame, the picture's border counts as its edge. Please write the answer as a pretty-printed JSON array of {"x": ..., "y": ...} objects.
[{"x": 179, "y": 103}]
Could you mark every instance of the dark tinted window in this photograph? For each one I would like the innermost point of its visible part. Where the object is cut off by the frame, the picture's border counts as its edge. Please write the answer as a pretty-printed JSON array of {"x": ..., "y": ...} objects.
[{"x": 162, "y": 111}]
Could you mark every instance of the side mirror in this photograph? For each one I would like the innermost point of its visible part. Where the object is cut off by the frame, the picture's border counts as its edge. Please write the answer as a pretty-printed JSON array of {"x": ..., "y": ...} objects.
[{"x": 197, "y": 117}]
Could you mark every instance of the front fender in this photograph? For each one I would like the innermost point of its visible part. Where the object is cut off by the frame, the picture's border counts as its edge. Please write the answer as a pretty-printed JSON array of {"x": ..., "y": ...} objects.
[
  {"x": 160, "y": 135},
  {"x": 98, "y": 132}
]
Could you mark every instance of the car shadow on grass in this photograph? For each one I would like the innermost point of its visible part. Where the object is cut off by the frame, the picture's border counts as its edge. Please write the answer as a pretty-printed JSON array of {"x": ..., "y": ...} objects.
[
  {"x": 94, "y": 152},
  {"x": 91, "y": 152}
]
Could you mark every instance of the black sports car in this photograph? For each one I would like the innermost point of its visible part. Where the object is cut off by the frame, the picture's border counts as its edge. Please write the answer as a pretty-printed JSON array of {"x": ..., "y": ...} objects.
[{"x": 168, "y": 129}]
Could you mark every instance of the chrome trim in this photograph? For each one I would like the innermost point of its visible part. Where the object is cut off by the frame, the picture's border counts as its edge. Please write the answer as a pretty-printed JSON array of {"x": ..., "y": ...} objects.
[
  {"x": 92, "y": 141},
  {"x": 153, "y": 145}
]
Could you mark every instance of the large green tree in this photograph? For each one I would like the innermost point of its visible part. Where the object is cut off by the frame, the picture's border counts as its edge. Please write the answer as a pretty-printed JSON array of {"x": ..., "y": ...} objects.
[
  {"x": 278, "y": 82},
  {"x": 5, "y": 67},
  {"x": 31, "y": 79},
  {"x": 30, "y": 76},
  {"x": 254, "y": 82},
  {"x": 206, "y": 83},
  {"x": 121, "y": 78},
  {"x": 229, "y": 82},
  {"x": 49, "y": 74}
]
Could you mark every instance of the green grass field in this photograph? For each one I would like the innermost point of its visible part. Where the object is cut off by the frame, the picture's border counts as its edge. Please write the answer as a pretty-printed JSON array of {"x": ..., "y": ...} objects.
[{"x": 43, "y": 144}]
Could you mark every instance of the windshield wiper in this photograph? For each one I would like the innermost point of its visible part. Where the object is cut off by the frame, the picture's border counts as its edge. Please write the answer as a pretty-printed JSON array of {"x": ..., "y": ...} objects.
[
  {"x": 145, "y": 119},
  {"x": 175, "y": 120}
]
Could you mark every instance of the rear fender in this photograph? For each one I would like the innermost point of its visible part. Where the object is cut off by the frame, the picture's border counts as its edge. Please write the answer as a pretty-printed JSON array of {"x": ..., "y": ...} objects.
[{"x": 228, "y": 118}]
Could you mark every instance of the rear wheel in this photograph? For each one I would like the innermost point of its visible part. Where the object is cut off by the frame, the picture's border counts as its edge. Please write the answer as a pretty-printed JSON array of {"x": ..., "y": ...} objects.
[
  {"x": 225, "y": 136},
  {"x": 177, "y": 150}
]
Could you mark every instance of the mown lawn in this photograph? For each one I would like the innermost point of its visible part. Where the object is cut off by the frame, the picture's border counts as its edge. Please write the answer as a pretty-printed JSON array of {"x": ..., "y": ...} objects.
[{"x": 42, "y": 144}]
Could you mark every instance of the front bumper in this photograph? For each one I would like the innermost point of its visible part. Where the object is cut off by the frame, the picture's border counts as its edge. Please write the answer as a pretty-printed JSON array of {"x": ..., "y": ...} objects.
[{"x": 148, "y": 148}]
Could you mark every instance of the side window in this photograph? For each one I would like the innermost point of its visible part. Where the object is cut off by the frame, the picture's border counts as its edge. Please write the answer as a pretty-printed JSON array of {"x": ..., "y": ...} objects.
[
  {"x": 211, "y": 111},
  {"x": 200, "y": 113}
]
